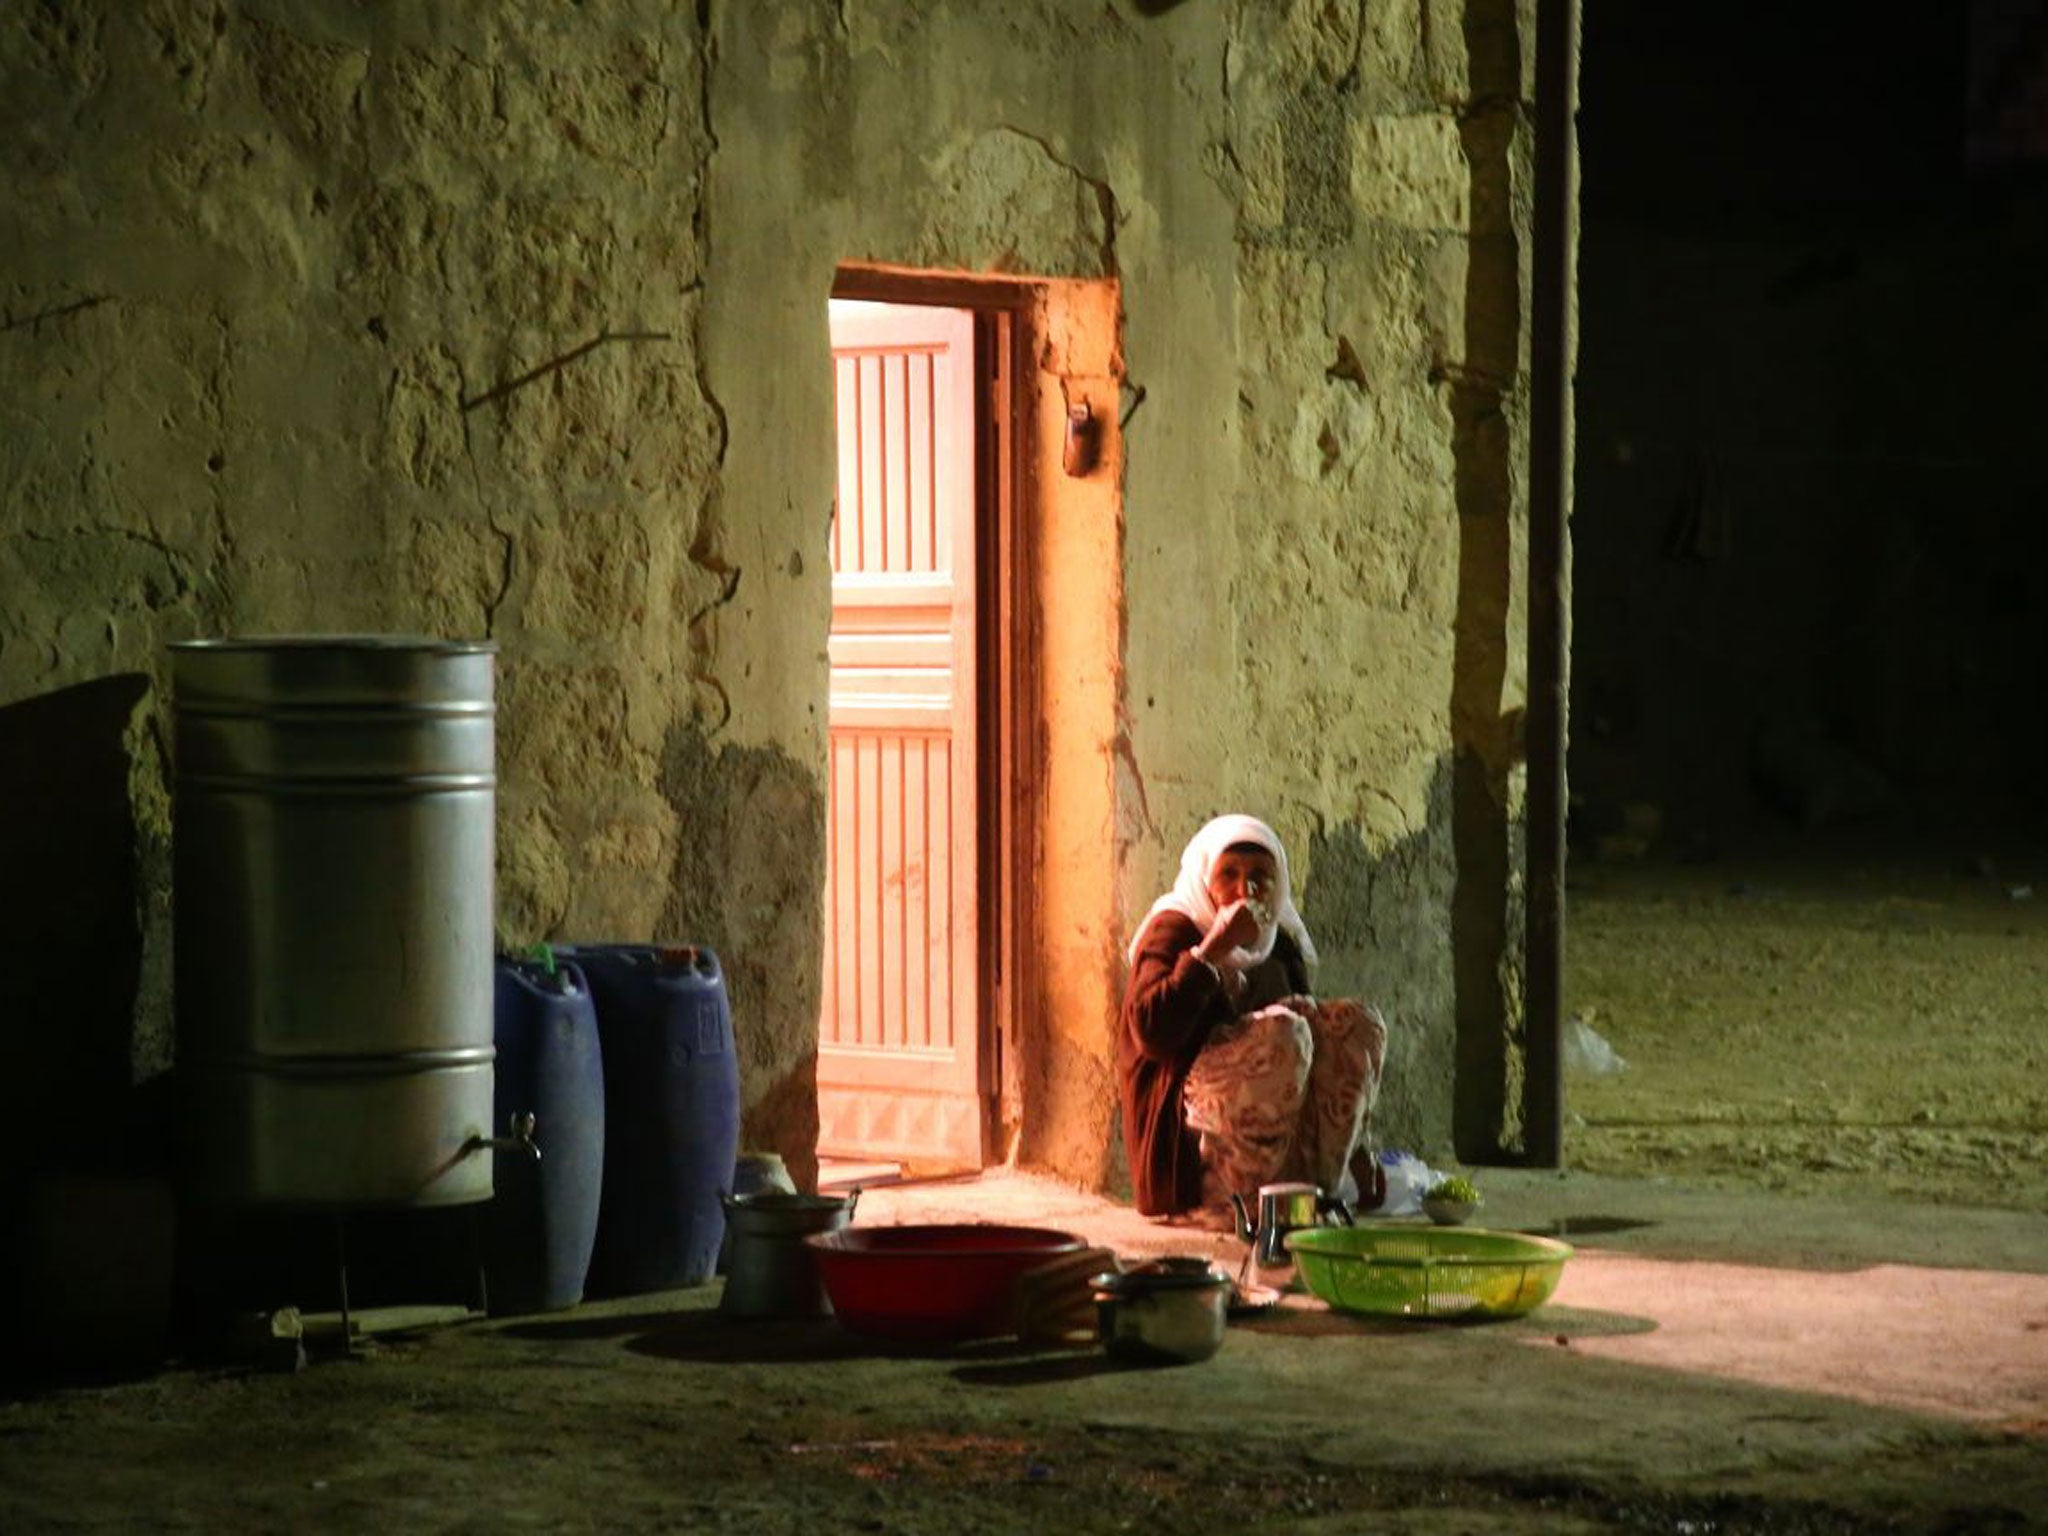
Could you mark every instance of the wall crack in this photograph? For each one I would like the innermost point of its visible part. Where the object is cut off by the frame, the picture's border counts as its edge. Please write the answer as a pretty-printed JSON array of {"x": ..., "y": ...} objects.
[
  {"x": 1347, "y": 83},
  {"x": 507, "y": 545},
  {"x": 727, "y": 588},
  {"x": 1105, "y": 197},
  {"x": 704, "y": 548},
  {"x": 215, "y": 396},
  {"x": 1125, "y": 754},
  {"x": 1347, "y": 368},
  {"x": 559, "y": 362},
  {"x": 55, "y": 312}
]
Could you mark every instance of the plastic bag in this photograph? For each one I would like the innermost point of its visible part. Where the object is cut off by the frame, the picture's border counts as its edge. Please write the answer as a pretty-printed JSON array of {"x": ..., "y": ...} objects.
[
  {"x": 1585, "y": 1051},
  {"x": 1409, "y": 1178}
]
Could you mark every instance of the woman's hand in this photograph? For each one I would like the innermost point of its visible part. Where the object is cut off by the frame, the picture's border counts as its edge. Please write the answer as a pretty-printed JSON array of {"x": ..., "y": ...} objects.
[{"x": 1236, "y": 926}]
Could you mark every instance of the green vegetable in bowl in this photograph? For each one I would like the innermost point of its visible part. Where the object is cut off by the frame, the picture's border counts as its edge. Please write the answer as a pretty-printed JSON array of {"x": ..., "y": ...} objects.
[{"x": 1456, "y": 1190}]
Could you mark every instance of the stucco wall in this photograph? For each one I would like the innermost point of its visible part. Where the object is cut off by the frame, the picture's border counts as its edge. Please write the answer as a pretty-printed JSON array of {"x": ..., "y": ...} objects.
[
  {"x": 510, "y": 321},
  {"x": 1355, "y": 601}
]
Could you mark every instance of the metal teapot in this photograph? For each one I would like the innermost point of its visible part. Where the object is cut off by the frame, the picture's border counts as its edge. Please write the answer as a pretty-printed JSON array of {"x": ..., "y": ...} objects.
[{"x": 1283, "y": 1208}]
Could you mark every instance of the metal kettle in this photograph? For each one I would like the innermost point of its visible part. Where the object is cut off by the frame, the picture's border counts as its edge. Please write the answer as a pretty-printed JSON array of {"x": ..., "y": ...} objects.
[{"x": 1283, "y": 1208}]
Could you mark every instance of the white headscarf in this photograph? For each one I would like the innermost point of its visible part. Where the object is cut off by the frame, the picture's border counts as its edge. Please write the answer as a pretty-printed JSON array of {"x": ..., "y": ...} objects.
[{"x": 1190, "y": 894}]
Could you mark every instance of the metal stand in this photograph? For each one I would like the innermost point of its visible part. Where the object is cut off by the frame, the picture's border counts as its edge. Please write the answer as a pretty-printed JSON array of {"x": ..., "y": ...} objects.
[
  {"x": 476, "y": 1259},
  {"x": 348, "y": 1337}
]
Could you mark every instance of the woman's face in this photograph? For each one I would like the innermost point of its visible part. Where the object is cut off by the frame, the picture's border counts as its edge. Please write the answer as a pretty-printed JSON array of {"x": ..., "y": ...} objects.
[{"x": 1245, "y": 873}]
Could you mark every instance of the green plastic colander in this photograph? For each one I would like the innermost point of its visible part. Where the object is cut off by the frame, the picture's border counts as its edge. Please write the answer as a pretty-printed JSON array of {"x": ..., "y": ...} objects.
[{"x": 1404, "y": 1271}]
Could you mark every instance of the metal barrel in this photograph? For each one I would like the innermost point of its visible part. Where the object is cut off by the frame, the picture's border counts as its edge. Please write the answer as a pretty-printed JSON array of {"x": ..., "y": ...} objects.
[{"x": 332, "y": 918}]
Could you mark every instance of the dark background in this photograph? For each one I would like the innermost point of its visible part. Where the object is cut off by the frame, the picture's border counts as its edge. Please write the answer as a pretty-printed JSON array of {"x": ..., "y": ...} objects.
[{"x": 1810, "y": 534}]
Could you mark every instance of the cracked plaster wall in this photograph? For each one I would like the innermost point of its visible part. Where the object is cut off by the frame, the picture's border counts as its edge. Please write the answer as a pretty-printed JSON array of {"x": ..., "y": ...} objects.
[
  {"x": 511, "y": 322},
  {"x": 1316, "y": 215}
]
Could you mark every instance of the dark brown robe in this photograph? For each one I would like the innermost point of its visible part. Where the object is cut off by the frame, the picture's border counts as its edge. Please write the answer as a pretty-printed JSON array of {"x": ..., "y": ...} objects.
[{"x": 1172, "y": 1002}]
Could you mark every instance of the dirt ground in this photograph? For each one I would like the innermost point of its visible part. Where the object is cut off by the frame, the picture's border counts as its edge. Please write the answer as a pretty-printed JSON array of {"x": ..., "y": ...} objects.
[
  {"x": 1851, "y": 1017},
  {"x": 1715, "y": 1360},
  {"x": 1810, "y": 1294}
]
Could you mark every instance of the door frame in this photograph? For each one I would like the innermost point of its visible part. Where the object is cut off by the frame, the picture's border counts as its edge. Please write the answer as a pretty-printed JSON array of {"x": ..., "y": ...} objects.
[{"x": 1006, "y": 677}]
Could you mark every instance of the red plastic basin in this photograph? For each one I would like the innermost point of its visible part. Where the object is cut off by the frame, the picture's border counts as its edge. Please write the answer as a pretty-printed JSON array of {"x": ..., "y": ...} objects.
[{"x": 931, "y": 1283}]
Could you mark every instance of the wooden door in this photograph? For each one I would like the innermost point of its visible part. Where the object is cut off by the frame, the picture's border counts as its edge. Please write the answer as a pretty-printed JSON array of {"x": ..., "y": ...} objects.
[{"x": 898, "y": 1060}]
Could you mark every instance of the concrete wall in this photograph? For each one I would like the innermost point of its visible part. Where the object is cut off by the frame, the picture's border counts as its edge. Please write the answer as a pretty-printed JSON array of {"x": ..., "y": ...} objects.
[{"x": 510, "y": 321}]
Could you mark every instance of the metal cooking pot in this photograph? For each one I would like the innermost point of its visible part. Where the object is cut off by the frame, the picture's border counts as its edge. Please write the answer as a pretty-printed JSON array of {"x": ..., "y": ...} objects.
[
  {"x": 769, "y": 1270},
  {"x": 1171, "y": 1311}
]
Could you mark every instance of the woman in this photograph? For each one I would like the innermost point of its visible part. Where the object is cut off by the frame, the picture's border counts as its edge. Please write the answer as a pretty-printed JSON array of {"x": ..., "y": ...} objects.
[{"x": 1232, "y": 1075}]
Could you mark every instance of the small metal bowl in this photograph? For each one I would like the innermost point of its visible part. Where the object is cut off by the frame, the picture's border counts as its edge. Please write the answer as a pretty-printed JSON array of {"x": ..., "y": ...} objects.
[
  {"x": 1449, "y": 1213},
  {"x": 1169, "y": 1312}
]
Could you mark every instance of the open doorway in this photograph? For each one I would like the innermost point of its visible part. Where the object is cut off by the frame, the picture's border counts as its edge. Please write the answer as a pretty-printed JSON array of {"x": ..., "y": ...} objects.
[
  {"x": 968, "y": 1008},
  {"x": 1004, "y": 398},
  {"x": 902, "y": 1014}
]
